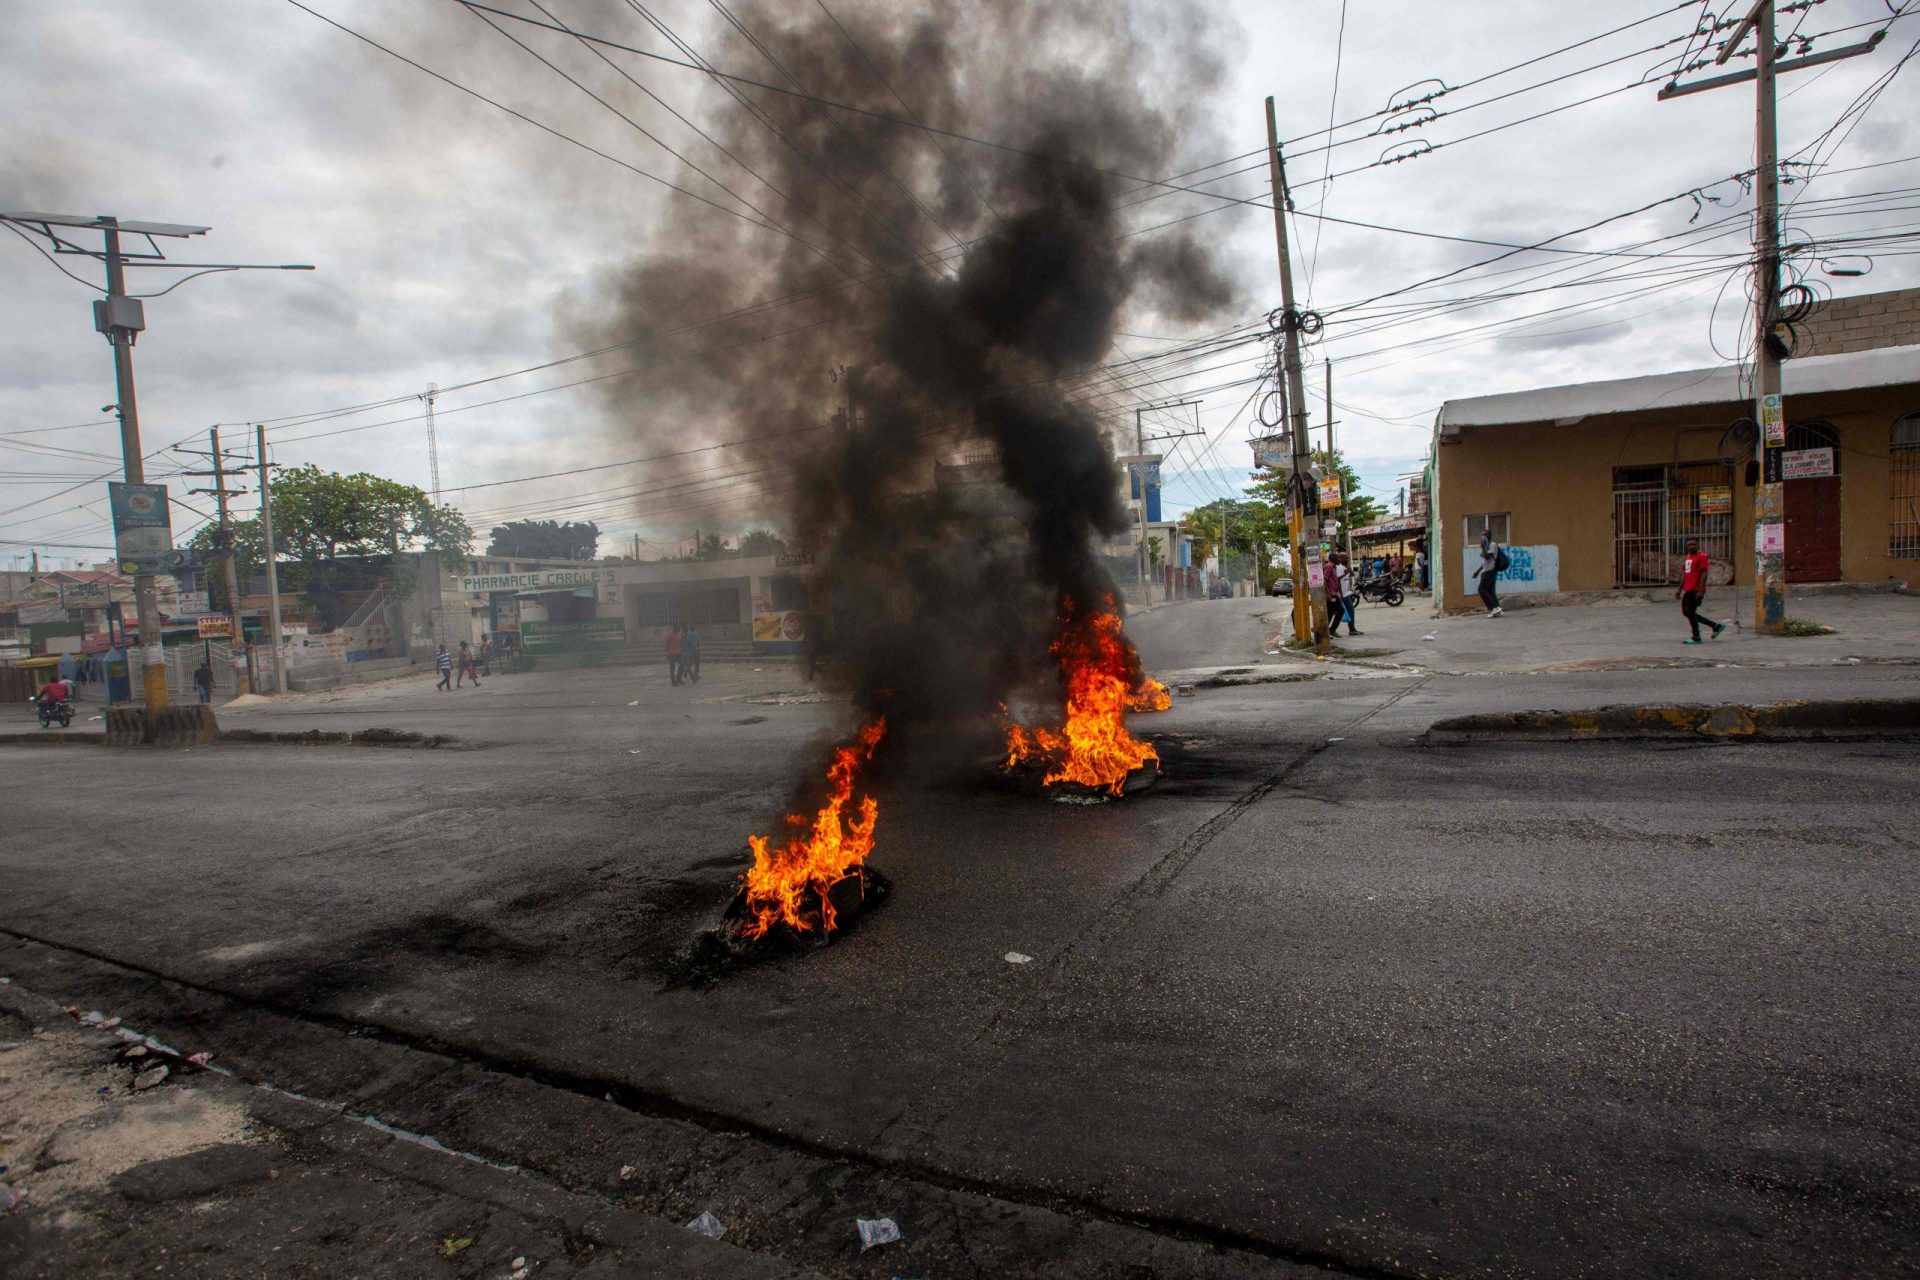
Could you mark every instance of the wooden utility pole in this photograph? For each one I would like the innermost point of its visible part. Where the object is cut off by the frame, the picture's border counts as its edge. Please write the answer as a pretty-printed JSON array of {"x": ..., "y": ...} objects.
[
  {"x": 1309, "y": 613},
  {"x": 273, "y": 573},
  {"x": 237, "y": 642},
  {"x": 1769, "y": 495}
]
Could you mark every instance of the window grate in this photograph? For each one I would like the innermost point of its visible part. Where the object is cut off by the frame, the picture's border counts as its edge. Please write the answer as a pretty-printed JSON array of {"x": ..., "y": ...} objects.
[
  {"x": 1903, "y": 496},
  {"x": 1657, "y": 510}
]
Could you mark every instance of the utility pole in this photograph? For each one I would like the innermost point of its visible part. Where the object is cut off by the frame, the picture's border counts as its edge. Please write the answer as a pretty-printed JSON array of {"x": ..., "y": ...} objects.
[
  {"x": 221, "y": 493},
  {"x": 273, "y": 575},
  {"x": 433, "y": 442},
  {"x": 1141, "y": 565},
  {"x": 1309, "y": 618},
  {"x": 1346, "y": 524},
  {"x": 121, "y": 317},
  {"x": 1769, "y": 495}
]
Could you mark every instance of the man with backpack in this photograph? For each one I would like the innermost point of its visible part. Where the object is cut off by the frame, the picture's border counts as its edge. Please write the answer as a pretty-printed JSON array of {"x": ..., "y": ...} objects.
[{"x": 1493, "y": 562}]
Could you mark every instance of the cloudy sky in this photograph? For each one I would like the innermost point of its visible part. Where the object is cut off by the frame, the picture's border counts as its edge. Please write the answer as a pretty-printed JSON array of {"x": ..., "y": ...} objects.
[{"x": 457, "y": 243}]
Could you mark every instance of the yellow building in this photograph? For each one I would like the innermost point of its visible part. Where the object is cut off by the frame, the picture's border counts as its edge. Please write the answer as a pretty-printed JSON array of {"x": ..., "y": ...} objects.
[{"x": 1598, "y": 486}]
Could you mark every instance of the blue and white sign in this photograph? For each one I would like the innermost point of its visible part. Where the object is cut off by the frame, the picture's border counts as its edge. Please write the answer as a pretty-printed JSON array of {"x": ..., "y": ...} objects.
[{"x": 1534, "y": 569}]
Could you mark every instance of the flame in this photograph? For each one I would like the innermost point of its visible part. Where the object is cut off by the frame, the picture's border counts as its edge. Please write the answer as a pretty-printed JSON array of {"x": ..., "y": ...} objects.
[
  {"x": 1099, "y": 671},
  {"x": 789, "y": 883},
  {"x": 1150, "y": 696}
]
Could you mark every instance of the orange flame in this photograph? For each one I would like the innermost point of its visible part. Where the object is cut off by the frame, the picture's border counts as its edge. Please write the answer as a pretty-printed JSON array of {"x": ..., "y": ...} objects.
[
  {"x": 1092, "y": 746},
  {"x": 1150, "y": 696},
  {"x": 789, "y": 883}
]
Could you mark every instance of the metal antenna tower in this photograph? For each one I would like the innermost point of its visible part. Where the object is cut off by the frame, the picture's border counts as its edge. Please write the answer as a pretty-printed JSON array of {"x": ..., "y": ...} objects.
[{"x": 433, "y": 442}]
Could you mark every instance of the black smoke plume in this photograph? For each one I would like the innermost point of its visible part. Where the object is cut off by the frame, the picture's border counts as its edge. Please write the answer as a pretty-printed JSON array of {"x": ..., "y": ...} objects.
[{"x": 933, "y": 300}]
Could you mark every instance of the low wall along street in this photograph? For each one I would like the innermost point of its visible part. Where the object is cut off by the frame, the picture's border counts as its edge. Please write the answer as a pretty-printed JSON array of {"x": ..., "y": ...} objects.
[
  {"x": 1534, "y": 569},
  {"x": 593, "y": 635}
]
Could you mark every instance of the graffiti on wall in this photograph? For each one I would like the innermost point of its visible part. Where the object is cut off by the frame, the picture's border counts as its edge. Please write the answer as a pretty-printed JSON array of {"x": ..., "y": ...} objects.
[{"x": 1534, "y": 569}]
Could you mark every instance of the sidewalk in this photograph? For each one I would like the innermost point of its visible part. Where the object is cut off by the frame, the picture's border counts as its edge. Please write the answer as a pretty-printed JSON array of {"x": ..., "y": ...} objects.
[{"x": 1622, "y": 635}]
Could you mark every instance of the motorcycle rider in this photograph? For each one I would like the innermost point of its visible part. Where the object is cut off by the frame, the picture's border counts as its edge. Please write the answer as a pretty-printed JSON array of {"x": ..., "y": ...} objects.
[{"x": 55, "y": 692}]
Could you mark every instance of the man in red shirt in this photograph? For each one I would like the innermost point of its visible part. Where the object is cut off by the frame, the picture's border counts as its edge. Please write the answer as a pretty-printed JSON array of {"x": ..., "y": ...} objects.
[{"x": 1693, "y": 589}]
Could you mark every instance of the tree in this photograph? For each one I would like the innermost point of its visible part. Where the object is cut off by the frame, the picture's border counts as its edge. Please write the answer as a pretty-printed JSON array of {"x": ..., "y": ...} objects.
[
  {"x": 1361, "y": 509},
  {"x": 763, "y": 542},
  {"x": 327, "y": 527},
  {"x": 545, "y": 540}
]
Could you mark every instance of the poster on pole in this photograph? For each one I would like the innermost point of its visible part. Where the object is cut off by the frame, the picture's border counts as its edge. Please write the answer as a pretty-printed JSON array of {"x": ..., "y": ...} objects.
[
  {"x": 1329, "y": 493},
  {"x": 142, "y": 527},
  {"x": 1773, "y": 421}
]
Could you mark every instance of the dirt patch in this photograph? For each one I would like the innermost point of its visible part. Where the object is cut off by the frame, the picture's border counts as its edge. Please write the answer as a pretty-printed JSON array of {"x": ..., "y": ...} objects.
[{"x": 70, "y": 1120}]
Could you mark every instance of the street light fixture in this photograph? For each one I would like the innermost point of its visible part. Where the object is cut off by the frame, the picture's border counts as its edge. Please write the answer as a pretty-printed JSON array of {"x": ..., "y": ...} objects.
[{"x": 120, "y": 317}]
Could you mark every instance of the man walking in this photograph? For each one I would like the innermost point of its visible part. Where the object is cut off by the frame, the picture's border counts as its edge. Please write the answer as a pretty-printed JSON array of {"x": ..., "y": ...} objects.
[
  {"x": 1693, "y": 590},
  {"x": 486, "y": 655},
  {"x": 203, "y": 681},
  {"x": 674, "y": 641},
  {"x": 690, "y": 653},
  {"x": 444, "y": 661},
  {"x": 467, "y": 670},
  {"x": 1491, "y": 556}
]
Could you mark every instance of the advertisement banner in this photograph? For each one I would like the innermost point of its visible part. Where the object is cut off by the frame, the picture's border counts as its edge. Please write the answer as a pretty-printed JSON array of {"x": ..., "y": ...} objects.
[
  {"x": 1330, "y": 492},
  {"x": 573, "y": 637},
  {"x": 787, "y": 626},
  {"x": 1716, "y": 501},
  {"x": 1273, "y": 451},
  {"x": 1770, "y": 538},
  {"x": 30, "y": 614},
  {"x": 142, "y": 527},
  {"x": 1773, "y": 420},
  {"x": 214, "y": 626}
]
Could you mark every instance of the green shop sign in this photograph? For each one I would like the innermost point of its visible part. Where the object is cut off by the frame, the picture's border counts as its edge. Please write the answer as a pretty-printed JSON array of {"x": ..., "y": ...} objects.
[{"x": 573, "y": 637}]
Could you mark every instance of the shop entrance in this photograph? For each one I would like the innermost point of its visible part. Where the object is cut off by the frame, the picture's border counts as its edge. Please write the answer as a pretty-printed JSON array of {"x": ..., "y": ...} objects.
[{"x": 1813, "y": 502}]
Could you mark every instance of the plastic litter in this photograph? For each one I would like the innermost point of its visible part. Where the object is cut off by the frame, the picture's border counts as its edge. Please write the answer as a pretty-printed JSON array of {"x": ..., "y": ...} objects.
[
  {"x": 93, "y": 1018},
  {"x": 875, "y": 1232},
  {"x": 200, "y": 1059},
  {"x": 634, "y": 703},
  {"x": 151, "y": 1076},
  {"x": 707, "y": 1225},
  {"x": 626, "y": 1172},
  {"x": 1427, "y": 637},
  {"x": 11, "y": 1196},
  {"x": 1016, "y": 957},
  {"x": 635, "y": 751},
  {"x": 1336, "y": 739}
]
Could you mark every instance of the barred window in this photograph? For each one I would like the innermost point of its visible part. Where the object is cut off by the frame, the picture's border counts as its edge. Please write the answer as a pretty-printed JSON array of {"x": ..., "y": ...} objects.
[
  {"x": 789, "y": 592},
  {"x": 1494, "y": 521},
  {"x": 1903, "y": 478}
]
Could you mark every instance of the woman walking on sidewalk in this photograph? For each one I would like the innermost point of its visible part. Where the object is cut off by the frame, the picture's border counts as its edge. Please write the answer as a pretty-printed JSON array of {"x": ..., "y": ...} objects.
[{"x": 1693, "y": 590}]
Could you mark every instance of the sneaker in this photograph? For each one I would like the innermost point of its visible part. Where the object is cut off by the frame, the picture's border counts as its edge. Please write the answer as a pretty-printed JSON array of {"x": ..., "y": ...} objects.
[
  {"x": 1495, "y": 612},
  {"x": 1354, "y": 633},
  {"x": 1695, "y": 640},
  {"x": 1718, "y": 627}
]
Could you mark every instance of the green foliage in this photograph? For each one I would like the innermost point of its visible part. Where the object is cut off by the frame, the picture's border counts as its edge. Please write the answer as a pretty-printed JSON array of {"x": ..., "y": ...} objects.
[
  {"x": 1801, "y": 628},
  {"x": 1256, "y": 525},
  {"x": 545, "y": 540},
  {"x": 763, "y": 542}
]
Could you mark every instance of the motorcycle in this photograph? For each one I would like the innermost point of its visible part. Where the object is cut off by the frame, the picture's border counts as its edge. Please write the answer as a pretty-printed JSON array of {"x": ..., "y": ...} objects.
[
  {"x": 1382, "y": 589},
  {"x": 51, "y": 711}
]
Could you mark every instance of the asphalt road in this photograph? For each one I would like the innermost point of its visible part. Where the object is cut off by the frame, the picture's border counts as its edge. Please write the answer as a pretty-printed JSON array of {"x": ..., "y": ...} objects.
[{"x": 1322, "y": 1000}]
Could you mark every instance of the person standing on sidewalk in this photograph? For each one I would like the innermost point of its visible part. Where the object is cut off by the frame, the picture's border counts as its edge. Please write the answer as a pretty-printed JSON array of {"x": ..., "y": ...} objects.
[
  {"x": 1693, "y": 590},
  {"x": 467, "y": 670},
  {"x": 674, "y": 643},
  {"x": 1336, "y": 579},
  {"x": 690, "y": 653},
  {"x": 1491, "y": 554},
  {"x": 203, "y": 681},
  {"x": 443, "y": 661}
]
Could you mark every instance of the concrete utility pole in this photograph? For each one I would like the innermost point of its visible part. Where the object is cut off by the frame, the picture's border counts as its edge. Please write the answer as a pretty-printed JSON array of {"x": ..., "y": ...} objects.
[
  {"x": 1769, "y": 495},
  {"x": 273, "y": 575},
  {"x": 1309, "y": 615},
  {"x": 1346, "y": 524},
  {"x": 120, "y": 318}
]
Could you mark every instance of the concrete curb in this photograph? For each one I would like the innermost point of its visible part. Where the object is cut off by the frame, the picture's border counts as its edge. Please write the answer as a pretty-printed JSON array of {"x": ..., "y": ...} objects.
[
  {"x": 302, "y": 738},
  {"x": 1737, "y": 722}
]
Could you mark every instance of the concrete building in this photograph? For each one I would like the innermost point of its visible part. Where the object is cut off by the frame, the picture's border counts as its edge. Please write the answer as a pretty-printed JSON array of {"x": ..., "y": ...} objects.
[{"x": 1597, "y": 486}]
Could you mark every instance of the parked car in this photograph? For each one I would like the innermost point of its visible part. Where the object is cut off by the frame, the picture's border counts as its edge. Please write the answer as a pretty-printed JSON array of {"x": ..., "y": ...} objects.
[
  {"x": 1281, "y": 587},
  {"x": 1219, "y": 589}
]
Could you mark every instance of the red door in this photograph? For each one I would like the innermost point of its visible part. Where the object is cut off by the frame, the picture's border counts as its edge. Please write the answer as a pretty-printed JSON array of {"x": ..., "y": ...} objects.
[{"x": 1813, "y": 510}]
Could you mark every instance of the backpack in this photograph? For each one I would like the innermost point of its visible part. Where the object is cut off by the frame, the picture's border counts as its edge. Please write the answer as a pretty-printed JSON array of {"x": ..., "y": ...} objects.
[{"x": 1501, "y": 562}]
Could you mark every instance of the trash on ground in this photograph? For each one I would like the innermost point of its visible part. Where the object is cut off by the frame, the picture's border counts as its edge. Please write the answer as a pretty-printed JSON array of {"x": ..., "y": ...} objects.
[
  {"x": 1336, "y": 739},
  {"x": 626, "y": 1172},
  {"x": 1016, "y": 957},
  {"x": 1184, "y": 690},
  {"x": 1426, "y": 637},
  {"x": 876, "y": 1231},
  {"x": 93, "y": 1018},
  {"x": 636, "y": 751},
  {"x": 136, "y": 1051},
  {"x": 634, "y": 703},
  {"x": 151, "y": 1076},
  {"x": 200, "y": 1059},
  {"x": 11, "y": 1196},
  {"x": 451, "y": 1246},
  {"x": 707, "y": 1225}
]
